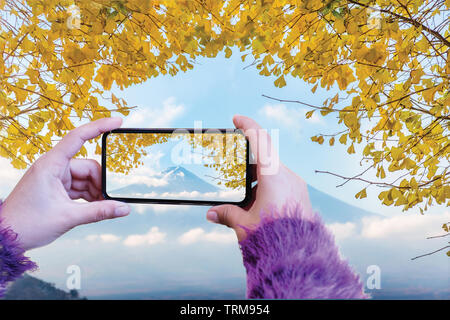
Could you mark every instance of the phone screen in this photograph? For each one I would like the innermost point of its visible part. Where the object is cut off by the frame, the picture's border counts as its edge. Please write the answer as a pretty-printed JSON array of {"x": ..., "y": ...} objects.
[{"x": 176, "y": 166}]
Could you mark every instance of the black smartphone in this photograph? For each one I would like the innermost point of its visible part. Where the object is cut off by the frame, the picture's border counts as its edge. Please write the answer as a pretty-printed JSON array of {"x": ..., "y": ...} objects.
[{"x": 176, "y": 166}]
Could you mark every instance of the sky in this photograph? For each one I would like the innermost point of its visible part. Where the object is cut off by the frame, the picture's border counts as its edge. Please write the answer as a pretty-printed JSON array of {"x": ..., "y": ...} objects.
[{"x": 174, "y": 249}]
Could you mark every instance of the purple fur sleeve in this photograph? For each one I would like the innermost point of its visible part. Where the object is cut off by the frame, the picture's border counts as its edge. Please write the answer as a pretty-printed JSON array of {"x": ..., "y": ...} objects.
[
  {"x": 293, "y": 258},
  {"x": 13, "y": 263}
]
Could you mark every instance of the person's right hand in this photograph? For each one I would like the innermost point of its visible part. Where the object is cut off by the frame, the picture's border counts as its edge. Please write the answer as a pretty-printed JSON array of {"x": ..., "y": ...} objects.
[{"x": 274, "y": 190}]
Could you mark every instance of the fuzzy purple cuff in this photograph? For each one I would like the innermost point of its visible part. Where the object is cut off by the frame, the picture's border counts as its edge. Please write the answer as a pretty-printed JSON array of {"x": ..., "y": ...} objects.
[
  {"x": 293, "y": 258},
  {"x": 13, "y": 263}
]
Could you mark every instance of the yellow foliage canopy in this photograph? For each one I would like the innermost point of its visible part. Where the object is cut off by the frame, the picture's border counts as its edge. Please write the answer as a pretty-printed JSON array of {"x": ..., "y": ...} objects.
[{"x": 389, "y": 58}]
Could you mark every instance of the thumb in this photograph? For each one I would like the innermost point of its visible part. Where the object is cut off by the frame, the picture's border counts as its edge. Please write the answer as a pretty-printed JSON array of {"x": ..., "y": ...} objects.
[
  {"x": 226, "y": 214},
  {"x": 101, "y": 210}
]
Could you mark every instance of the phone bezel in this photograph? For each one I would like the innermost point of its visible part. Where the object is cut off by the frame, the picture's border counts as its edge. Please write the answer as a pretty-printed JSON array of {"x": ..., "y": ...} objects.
[{"x": 248, "y": 174}]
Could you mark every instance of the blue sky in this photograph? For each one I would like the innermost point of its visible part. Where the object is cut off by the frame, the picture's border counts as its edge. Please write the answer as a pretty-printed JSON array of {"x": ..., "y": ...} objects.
[{"x": 172, "y": 247}]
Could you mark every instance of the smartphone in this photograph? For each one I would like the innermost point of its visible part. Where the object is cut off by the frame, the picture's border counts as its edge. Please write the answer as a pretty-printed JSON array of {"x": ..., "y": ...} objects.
[{"x": 176, "y": 166}]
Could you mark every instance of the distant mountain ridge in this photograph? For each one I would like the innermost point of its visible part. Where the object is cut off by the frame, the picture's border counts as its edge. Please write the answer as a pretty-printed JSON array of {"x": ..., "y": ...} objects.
[
  {"x": 180, "y": 179},
  {"x": 334, "y": 210},
  {"x": 31, "y": 288},
  {"x": 331, "y": 209}
]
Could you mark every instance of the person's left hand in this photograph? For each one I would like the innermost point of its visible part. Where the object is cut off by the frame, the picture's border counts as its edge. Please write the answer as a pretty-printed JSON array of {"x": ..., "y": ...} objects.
[{"x": 41, "y": 207}]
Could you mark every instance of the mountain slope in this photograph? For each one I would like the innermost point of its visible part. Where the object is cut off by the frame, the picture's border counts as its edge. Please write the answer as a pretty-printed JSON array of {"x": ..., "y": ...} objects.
[
  {"x": 334, "y": 210},
  {"x": 180, "y": 179},
  {"x": 31, "y": 288}
]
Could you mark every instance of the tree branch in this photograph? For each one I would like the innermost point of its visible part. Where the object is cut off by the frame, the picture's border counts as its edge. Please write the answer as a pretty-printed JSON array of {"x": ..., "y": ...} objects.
[
  {"x": 406, "y": 19},
  {"x": 440, "y": 236},
  {"x": 429, "y": 254}
]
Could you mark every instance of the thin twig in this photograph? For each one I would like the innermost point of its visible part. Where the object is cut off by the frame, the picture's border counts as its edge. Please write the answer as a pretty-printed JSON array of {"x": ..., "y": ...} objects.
[
  {"x": 428, "y": 254},
  {"x": 440, "y": 236}
]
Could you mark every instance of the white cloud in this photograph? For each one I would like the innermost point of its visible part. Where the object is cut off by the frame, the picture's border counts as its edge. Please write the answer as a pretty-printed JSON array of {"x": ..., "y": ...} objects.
[
  {"x": 191, "y": 236},
  {"x": 152, "y": 237},
  {"x": 155, "y": 117},
  {"x": 200, "y": 235},
  {"x": 404, "y": 226},
  {"x": 122, "y": 180},
  {"x": 407, "y": 226},
  {"x": 106, "y": 238},
  {"x": 289, "y": 117},
  {"x": 342, "y": 230},
  {"x": 141, "y": 175},
  {"x": 154, "y": 158},
  {"x": 158, "y": 208},
  {"x": 224, "y": 195},
  {"x": 220, "y": 237},
  {"x": 139, "y": 207}
]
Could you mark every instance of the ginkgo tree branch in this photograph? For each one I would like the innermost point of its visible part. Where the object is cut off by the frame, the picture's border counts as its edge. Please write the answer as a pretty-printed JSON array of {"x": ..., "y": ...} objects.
[
  {"x": 395, "y": 76},
  {"x": 307, "y": 104},
  {"x": 429, "y": 254},
  {"x": 406, "y": 19},
  {"x": 440, "y": 236},
  {"x": 377, "y": 183}
]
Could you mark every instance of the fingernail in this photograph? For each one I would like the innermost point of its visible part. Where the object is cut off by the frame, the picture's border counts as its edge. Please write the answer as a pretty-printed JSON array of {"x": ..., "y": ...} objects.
[
  {"x": 122, "y": 211},
  {"x": 212, "y": 216}
]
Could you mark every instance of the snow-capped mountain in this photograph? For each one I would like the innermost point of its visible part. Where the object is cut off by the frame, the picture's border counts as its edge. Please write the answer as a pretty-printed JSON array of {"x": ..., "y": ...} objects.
[{"x": 178, "y": 179}]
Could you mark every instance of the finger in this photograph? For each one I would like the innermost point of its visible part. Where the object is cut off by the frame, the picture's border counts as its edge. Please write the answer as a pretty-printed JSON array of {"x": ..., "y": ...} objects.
[
  {"x": 226, "y": 214},
  {"x": 86, "y": 185},
  {"x": 86, "y": 169},
  {"x": 85, "y": 195},
  {"x": 249, "y": 127},
  {"x": 72, "y": 142},
  {"x": 100, "y": 210},
  {"x": 261, "y": 145}
]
